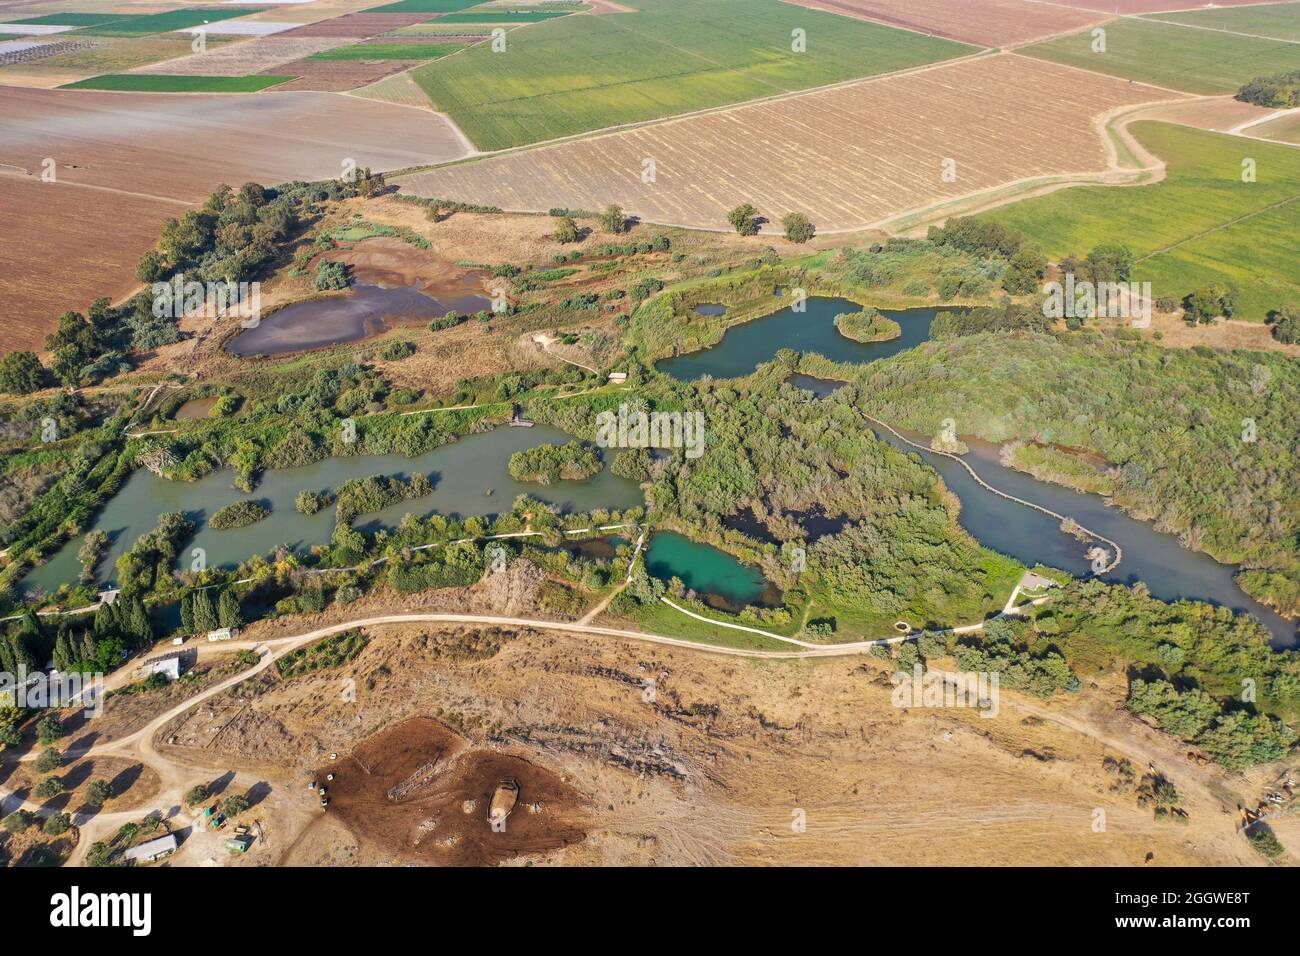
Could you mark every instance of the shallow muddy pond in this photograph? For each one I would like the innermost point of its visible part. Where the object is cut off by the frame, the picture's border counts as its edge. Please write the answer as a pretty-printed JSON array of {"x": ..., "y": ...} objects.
[
  {"x": 746, "y": 346},
  {"x": 195, "y": 408},
  {"x": 470, "y": 477},
  {"x": 361, "y": 312}
]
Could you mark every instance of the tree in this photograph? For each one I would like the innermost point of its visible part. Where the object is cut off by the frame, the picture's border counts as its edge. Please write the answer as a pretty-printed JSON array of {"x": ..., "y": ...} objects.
[
  {"x": 48, "y": 761},
  {"x": 1111, "y": 262},
  {"x": 744, "y": 219},
  {"x": 1025, "y": 271},
  {"x": 49, "y": 729},
  {"x": 196, "y": 794},
  {"x": 202, "y": 611},
  {"x": 1286, "y": 324},
  {"x": 21, "y": 373},
  {"x": 566, "y": 230},
  {"x": 613, "y": 220},
  {"x": 234, "y": 805},
  {"x": 151, "y": 268},
  {"x": 98, "y": 793},
  {"x": 57, "y": 824},
  {"x": 228, "y": 610},
  {"x": 18, "y": 821},
  {"x": 1209, "y": 302},
  {"x": 47, "y": 788},
  {"x": 798, "y": 227}
]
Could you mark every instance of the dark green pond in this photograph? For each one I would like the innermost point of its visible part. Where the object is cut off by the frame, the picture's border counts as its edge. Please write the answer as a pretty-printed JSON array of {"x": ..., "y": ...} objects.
[{"x": 746, "y": 346}]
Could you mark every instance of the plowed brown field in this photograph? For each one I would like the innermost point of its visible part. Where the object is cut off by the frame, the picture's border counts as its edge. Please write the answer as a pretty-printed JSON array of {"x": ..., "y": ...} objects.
[
  {"x": 987, "y": 22},
  {"x": 847, "y": 157},
  {"x": 125, "y": 161}
]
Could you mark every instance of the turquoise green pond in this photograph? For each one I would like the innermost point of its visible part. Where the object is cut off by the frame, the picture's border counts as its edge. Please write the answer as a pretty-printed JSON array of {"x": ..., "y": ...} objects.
[{"x": 719, "y": 578}]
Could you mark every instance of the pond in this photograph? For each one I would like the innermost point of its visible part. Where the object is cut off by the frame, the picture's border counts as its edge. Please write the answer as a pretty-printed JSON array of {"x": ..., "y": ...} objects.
[
  {"x": 746, "y": 346},
  {"x": 719, "y": 579},
  {"x": 1169, "y": 570},
  {"x": 470, "y": 477},
  {"x": 360, "y": 312}
]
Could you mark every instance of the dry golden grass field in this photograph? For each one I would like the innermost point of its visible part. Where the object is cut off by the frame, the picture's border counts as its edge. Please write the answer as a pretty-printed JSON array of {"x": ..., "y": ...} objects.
[{"x": 847, "y": 157}]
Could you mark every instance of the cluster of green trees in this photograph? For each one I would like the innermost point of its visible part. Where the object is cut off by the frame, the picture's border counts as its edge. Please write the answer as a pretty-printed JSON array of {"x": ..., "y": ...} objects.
[
  {"x": 238, "y": 514},
  {"x": 1286, "y": 324},
  {"x": 1005, "y": 317},
  {"x": 330, "y": 276},
  {"x": 456, "y": 565},
  {"x": 309, "y": 502},
  {"x": 1207, "y": 303},
  {"x": 1233, "y": 737},
  {"x": 550, "y": 463},
  {"x": 359, "y": 496},
  {"x": 1279, "y": 92},
  {"x": 982, "y": 239},
  {"x": 1022, "y": 661},
  {"x": 148, "y": 562},
  {"x": 199, "y": 614}
]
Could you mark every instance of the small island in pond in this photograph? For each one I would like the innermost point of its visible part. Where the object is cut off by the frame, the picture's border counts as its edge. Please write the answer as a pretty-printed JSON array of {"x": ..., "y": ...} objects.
[
  {"x": 549, "y": 463},
  {"x": 867, "y": 326},
  {"x": 238, "y": 515}
]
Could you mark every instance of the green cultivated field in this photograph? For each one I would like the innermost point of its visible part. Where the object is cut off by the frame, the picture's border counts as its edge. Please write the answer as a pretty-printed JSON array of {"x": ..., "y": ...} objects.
[
  {"x": 1181, "y": 58},
  {"x": 75, "y": 19},
  {"x": 388, "y": 51},
  {"x": 1201, "y": 225},
  {"x": 1278, "y": 20},
  {"x": 166, "y": 22},
  {"x": 576, "y": 74},
  {"x": 157, "y": 83}
]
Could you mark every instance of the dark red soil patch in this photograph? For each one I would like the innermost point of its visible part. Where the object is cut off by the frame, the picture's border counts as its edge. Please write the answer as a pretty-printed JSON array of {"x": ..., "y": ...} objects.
[{"x": 419, "y": 791}]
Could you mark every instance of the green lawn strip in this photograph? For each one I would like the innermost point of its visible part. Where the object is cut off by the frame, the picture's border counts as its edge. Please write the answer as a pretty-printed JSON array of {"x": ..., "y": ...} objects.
[
  {"x": 74, "y": 19},
  {"x": 155, "y": 83},
  {"x": 1199, "y": 225},
  {"x": 1281, "y": 21},
  {"x": 388, "y": 51},
  {"x": 169, "y": 21},
  {"x": 575, "y": 74},
  {"x": 1197, "y": 61}
]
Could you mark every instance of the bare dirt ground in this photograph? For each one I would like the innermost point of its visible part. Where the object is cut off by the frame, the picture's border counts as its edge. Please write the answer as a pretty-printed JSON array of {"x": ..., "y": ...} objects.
[
  {"x": 983, "y": 22},
  {"x": 419, "y": 791},
  {"x": 724, "y": 760},
  {"x": 258, "y": 55},
  {"x": 1218, "y": 114},
  {"x": 1125, "y": 7},
  {"x": 114, "y": 178},
  {"x": 358, "y": 25},
  {"x": 848, "y": 157}
]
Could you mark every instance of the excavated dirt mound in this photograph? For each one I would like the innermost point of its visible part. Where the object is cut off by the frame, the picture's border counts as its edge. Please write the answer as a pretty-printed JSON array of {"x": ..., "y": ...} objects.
[{"x": 420, "y": 792}]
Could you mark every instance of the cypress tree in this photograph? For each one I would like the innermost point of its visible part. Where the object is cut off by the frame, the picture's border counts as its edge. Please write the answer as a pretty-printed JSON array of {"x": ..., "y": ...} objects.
[
  {"x": 187, "y": 614},
  {"x": 228, "y": 610}
]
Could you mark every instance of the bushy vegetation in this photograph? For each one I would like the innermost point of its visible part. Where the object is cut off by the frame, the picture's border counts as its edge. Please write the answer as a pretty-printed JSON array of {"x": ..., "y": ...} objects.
[
  {"x": 1235, "y": 738},
  {"x": 1020, "y": 658},
  {"x": 550, "y": 463},
  {"x": 238, "y": 514},
  {"x": 1281, "y": 91},
  {"x": 867, "y": 325}
]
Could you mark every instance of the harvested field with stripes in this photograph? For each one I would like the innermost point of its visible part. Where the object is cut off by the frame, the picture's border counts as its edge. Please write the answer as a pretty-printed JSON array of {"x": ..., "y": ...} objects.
[
  {"x": 985, "y": 22},
  {"x": 1125, "y": 7},
  {"x": 846, "y": 157},
  {"x": 242, "y": 59},
  {"x": 359, "y": 25},
  {"x": 127, "y": 161}
]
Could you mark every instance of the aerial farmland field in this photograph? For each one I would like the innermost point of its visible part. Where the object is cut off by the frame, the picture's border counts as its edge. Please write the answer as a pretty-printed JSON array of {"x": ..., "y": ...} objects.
[
  {"x": 1185, "y": 229},
  {"x": 984, "y": 22},
  {"x": 846, "y": 157},
  {"x": 1279, "y": 21},
  {"x": 1179, "y": 57},
  {"x": 586, "y": 72}
]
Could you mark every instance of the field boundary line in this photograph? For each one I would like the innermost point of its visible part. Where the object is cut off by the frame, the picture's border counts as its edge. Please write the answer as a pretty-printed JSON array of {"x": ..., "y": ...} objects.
[
  {"x": 1221, "y": 226},
  {"x": 104, "y": 189}
]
